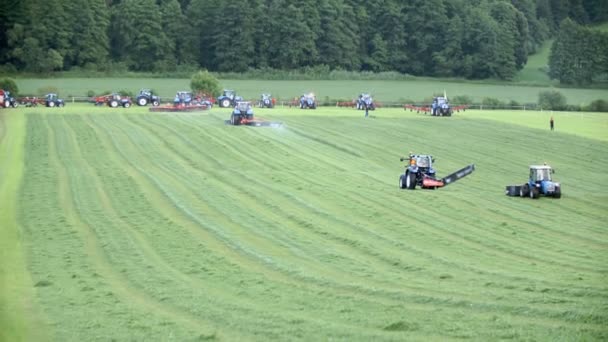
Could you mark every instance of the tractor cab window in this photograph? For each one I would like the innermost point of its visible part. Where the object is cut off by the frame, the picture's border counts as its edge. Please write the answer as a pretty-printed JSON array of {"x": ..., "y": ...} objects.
[
  {"x": 538, "y": 175},
  {"x": 50, "y": 97},
  {"x": 441, "y": 100},
  {"x": 423, "y": 162},
  {"x": 242, "y": 106}
]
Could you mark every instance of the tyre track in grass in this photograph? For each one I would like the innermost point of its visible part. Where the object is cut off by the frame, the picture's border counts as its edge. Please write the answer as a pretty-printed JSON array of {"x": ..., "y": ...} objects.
[
  {"x": 587, "y": 240},
  {"x": 250, "y": 306},
  {"x": 458, "y": 304},
  {"x": 550, "y": 259},
  {"x": 72, "y": 203},
  {"x": 351, "y": 291}
]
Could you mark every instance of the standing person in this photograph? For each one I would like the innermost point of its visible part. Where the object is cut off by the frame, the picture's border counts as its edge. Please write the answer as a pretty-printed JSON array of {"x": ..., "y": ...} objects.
[{"x": 551, "y": 123}]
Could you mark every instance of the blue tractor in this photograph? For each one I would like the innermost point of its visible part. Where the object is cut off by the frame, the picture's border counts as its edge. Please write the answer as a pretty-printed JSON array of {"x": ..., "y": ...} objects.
[
  {"x": 308, "y": 101},
  {"x": 441, "y": 106},
  {"x": 228, "y": 98},
  {"x": 419, "y": 171},
  {"x": 365, "y": 102},
  {"x": 539, "y": 183},
  {"x": 52, "y": 100},
  {"x": 146, "y": 96},
  {"x": 242, "y": 113}
]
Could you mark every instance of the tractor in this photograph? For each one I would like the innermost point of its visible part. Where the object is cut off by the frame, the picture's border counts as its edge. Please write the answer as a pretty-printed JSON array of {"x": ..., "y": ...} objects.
[
  {"x": 365, "y": 102},
  {"x": 242, "y": 115},
  {"x": 52, "y": 100},
  {"x": 539, "y": 183},
  {"x": 6, "y": 100},
  {"x": 228, "y": 98},
  {"x": 266, "y": 101},
  {"x": 441, "y": 107},
  {"x": 420, "y": 172},
  {"x": 114, "y": 100},
  {"x": 146, "y": 96},
  {"x": 308, "y": 101}
]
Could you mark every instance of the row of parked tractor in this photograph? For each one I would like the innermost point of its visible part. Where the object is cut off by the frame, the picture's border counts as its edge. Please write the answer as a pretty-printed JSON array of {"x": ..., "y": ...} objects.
[{"x": 49, "y": 100}]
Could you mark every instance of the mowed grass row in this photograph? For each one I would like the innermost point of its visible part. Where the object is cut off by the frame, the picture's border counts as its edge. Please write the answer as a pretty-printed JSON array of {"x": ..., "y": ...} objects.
[
  {"x": 180, "y": 227},
  {"x": 383, "y": 91}
]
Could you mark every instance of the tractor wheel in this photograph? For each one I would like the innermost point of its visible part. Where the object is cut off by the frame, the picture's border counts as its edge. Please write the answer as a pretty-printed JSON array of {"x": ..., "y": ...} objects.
[
  {"x": 15, "y": 104},
  {"x": 142, "y": 101},
  {"x": 524, "y": 191},
  {"x": 127, "y": 104},
  {"x": 155, "y": 103},
  {"x": 558, "y": 192},
  {"x": 61, "y": 104},
  {"x": 51, "y": 104},
  {"x": 534, "y": 193},
  {"x": 7, "y": 104},
  {"x": 410, "y": 180},
  {"x": 113, "y": 103},
  {"x": 225, "y": 103},
  {"x": 402, "y": 184}
]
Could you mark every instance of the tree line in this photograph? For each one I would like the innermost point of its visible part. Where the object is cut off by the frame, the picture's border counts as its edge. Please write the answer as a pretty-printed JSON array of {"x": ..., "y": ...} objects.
[{"x": 446, "y": 38}]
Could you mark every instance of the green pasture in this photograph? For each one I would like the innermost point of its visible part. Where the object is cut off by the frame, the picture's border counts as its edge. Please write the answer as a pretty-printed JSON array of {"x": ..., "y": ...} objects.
[
  {"x": 130, "y": 225},
  {"x": 384, "y": 91},
  {"x": 535, "y": 70}
]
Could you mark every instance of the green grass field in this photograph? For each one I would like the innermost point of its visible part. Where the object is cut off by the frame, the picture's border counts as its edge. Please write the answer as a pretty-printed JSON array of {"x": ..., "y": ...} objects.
[
  {"x": 128, "y": 225},
  {"x": 385, "y": 91},
  {"x": 535, "y": 70}
]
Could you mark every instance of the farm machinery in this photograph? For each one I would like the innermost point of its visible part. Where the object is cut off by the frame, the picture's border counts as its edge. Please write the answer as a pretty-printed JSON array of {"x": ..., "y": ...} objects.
[
  {"x": 439, "y": 107},
  {"x": 49, "y": 100},
  {"x": 185, "y": 101},
  {"x": 308, "y": 101},
  {"x": 539, "y": 183},
  {"x": 6, "y": 100},
  {"x": 420, "y": 172},
  {"x": 365, "y": 102},
  {"x": 113, "y": 100},
  {"x": 146, "y": 96},
  {"x": 243, "y": 115},
  {"x": 266, "y": 101},
  {"x": 228, "y": 98}
]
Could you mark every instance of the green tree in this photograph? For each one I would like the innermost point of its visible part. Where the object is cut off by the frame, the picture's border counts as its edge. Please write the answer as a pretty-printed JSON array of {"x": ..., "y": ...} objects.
[
  {"x": 174, "y": 25},
  {"x": 552, "y": 100},
  {"x": 137, "y": 35},
  {"x": 232, "y": 38},
  {"x": 10, "y": 85},
  {"x": 204, "y": 82},
  {"x": 338, "y": 39},
  {"x": 89, "y": 44}
]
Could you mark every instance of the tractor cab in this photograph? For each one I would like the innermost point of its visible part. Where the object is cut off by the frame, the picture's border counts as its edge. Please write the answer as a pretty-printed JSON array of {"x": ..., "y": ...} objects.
[
  {"x": 183, "y": 98},
  {"x": 540, "y": 173},
  {"x": 266, "y": 101},
  {"x": 243, "y": 107},
  {"x": 51, "y": 97},
  {"x": 52, "y": 100},
  {"x": 422, "y": 162},
  {"x": 145, "y": 92},
  {"x": 308, "y": 100}
]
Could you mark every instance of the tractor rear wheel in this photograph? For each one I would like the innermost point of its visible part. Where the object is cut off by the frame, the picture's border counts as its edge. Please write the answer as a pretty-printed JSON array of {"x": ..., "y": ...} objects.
[
  {"x": 51, "y": 104},
  {"x": 410, "y": 180},
  {"x": 225, "y": 103},
  {"x": 534, "y": 193},
  {"x": 142, "y": 101},
  {"x": 524, "y": 191},
  {"x": 114, "y": 104}
]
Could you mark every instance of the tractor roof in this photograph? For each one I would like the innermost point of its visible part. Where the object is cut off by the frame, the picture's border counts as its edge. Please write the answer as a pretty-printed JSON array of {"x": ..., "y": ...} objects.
[{"x": 540, "y": 167}]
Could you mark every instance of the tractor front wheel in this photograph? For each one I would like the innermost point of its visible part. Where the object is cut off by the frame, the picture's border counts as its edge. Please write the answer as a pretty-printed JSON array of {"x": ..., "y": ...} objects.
[
  {"x": 402, "y": 182},
  {"x": 126, "y": 105},
  {"x": 155, "y": 103},
  {"x": 558, "y": 192}
]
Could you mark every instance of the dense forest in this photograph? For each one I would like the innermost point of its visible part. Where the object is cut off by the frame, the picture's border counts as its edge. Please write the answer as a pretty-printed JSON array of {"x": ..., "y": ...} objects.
[{"x": 448, "y": 38}]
